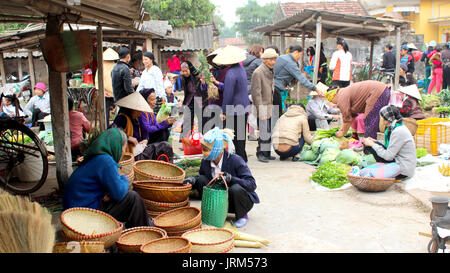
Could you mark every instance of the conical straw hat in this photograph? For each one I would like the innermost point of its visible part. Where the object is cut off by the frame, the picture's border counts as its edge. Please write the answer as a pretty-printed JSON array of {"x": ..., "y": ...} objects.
[
  {"x": 110, "y": 55},
  {"x": 411, "y": 90},
  {"x": 135, "y": 101},
  {"x": 230, "y": 55}
]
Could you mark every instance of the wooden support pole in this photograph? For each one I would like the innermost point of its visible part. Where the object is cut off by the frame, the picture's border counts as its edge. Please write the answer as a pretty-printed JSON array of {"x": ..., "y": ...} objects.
[
  {"x": 318, "y": 43},
  {"x": 148, "y": 45},
  {"x": 155, "y": 53},
  {"x": 31, "y": 71},
  {"x": 283, "y": 42},
  {"x": 59, "y": 114},
  {"x": 2, "y": 69},
  {"x": 270, "y": 39},
  {"x": 101, "y": 86},
  {"x": 19, "y": 68},
  {"x": 397, "y": 58},
  {"x": 303, "y": 46},
  {"x": 372, "y": 45}
]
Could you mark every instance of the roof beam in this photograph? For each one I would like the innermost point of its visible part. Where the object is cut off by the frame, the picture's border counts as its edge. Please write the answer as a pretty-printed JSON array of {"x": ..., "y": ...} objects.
[{"x": 346, "y": 24}]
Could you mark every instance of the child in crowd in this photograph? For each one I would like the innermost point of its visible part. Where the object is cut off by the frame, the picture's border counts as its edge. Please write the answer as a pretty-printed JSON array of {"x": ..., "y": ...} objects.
[
  {"x": 39, "y": 105},
  {"x": 9, "y": 108}
]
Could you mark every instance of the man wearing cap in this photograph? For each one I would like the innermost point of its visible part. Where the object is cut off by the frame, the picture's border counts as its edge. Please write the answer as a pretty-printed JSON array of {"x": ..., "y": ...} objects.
[
  {"x": 235, "y": 104},
  {"x": 121, "y": 77},
  {"x": 38, "y": 107},
  {"x": 262, "y": 96},
  {"x": 407, "y": 58}
]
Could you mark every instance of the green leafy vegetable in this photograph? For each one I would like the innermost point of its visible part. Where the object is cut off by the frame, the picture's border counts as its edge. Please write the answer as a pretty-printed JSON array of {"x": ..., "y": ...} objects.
[
  {"x": 421, "y": 152},
  {"x": 366, "y": 160},
  {"x": 164, "y": 113},
  {"x": 348, "y": 156},
  {"x": 332, "y": 175},
  {"x": 307, "y": 154},
  {"x": 321, "y": 133},
  {"x": 328, "y": 155}
]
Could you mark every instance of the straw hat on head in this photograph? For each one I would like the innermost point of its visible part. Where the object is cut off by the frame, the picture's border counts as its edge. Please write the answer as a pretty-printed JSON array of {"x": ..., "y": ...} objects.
[
  {"x": 110, "y": 55},
  {"x": 135, "y": 101},
  {"x": 172, "y": 75},
  {"x": 411, "y": 90},
  {"x": 313, "y": 93},
  {"x": 269, "y": 53},
  {"x": 411, "y": 46},
  {"x": 230, "y": 55}
]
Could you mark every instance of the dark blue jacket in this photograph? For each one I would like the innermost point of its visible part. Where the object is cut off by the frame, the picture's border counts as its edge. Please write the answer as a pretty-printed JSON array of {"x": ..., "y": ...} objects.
[
  {"x": 235, "y": 91},
  {"x": 121, "y": 80},
  {"x": 236, "y": 166},
  {"x": 286, "y": 70}
]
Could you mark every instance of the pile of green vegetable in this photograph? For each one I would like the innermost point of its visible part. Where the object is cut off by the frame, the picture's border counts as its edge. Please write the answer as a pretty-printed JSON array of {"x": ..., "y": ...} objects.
[
  {"x": 190, "y": 166},
  {"x": 430, "y": 101},
  {"x": 332, "y": 175},
  {"x": 421, "y": 152}
]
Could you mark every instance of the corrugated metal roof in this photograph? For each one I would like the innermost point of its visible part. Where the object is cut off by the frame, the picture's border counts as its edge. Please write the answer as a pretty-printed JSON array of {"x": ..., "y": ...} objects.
[{"x": 198, "y": 38}]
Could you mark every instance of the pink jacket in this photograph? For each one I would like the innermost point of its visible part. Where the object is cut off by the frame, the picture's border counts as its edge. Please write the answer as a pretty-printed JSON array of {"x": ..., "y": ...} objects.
[{"x": 174, "y": 65}]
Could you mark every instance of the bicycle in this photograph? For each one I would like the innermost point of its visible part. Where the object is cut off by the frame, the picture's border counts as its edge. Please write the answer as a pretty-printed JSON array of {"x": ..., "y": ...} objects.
[
  {"x": 386, "y": 76},
  {"x": 23, "y": 156}
]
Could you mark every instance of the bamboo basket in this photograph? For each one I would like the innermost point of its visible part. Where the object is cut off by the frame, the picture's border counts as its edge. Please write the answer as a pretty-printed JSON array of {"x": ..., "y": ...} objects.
[
  {"x": 167, "y": 245},
  {"x": 126, "y": 164},
  {"x": 154, "y": 214},
  {"x": 162, "y": 192},
  {"x": 210, "y": 240},
  {"x": 163, "y": 207},
  {"x": 230, "y": 250},
  {"x": 79, "y": 247},
  {"x": 132, "y": 239},
  {"x": 370, "y": 184},
  {"x": 181, "y": 232},
  {"x": 87, "y": 224},
  {"x": 130, "y": 178},
  {"x": 158, "y": 170},
  {"x": 179, "y": 219}
]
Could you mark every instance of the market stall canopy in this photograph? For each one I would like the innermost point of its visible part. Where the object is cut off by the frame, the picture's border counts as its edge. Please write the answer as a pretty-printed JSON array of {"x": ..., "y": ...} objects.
[
  {"x": 198, "y": 38},
  {"x": 335, "y": 25},
  {"x": 127, "y": 14}
]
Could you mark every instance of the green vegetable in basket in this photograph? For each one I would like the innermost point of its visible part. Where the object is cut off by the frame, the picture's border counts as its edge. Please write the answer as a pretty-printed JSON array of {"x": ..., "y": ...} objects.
[
  {"x": 421, "y": 152},
  {"x": 332, "y": 175},
  {"x": 349, "y": 157},
  {"x": 163, "y": 113}
]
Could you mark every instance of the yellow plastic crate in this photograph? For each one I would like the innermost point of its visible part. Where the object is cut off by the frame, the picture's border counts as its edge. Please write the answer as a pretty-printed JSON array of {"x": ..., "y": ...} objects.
[{"x": 430, "y": 135}]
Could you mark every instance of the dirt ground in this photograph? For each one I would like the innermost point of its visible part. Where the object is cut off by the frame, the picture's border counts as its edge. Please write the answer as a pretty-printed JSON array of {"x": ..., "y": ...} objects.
[{"x": 297, "y": 218}]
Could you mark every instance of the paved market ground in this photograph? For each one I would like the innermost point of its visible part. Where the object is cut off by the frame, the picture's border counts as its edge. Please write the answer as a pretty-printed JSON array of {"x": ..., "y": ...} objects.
[{"x": 297, "y": 218}]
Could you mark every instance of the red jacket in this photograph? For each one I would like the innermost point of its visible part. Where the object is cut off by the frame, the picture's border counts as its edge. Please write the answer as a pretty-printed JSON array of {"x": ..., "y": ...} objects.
[{"x": 174, "y": 65}]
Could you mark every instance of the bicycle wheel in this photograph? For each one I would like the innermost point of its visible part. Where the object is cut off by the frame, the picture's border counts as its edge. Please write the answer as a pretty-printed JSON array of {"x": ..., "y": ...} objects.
[{"x": 23, "y": 158}]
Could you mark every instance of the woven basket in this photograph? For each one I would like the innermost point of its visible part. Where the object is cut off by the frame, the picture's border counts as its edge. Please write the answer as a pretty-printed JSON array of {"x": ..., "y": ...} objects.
[
  {"x": 79, "y": 247},
  {"x": 132, "y": 239},
  {"x": 162, "y": 192},
  {"x": 157, "y": 170},
  {"x": 130, "y": 180},
  {"x": 179, "y": 219},
  {"x": 210, "y": 240},
  {"x": 230, "y": 250},
  {"x": 87, "y": 224},
  {"x": 154, "y": 214},
  {"x": 167, "y": 245},
  {"x": 126, "y": 163},
  {"x": 371, "y": 184},
  {"x": 181, "y": 232},
  {"x": 163, "y": 207}
]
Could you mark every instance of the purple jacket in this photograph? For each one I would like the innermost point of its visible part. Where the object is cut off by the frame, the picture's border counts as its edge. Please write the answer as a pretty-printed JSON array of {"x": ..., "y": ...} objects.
[
  {"x": 149, "y": 124},
  {"x": 235, "y": 91}
]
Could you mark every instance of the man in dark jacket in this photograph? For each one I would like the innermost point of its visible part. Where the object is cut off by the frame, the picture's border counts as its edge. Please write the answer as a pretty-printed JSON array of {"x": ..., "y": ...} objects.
[
  {"x": 389, "y": 59},
  {"x": 286, "y": 70},
  {"x": 250, "y": 64},
  {"x": 121, "y": 75}
]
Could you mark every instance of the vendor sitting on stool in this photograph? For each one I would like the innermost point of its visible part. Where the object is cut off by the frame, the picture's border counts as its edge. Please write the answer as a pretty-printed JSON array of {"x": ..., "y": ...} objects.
[
  {"x": 216, "y": 162},
  {"x": 398, "y": 145}
]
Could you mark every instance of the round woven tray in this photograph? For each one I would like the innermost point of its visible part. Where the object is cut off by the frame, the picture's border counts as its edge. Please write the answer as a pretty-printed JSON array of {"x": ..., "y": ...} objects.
[
  {"x": 230, "y": 250},
  {"x": 162, "y": 192},
  {"x": 132, "y": 239},
  {"x": 87, "y": 224},
  {"x": 153, "y": 214},
  {"x": 179, "y": 219},
  {"x": 370, "y": 184},
  {"x": 181, "y": 232},
  {"x": 163, "y": 207},
  {"x": 79, "y": 247},
  {"x": 157, "y": 170},
  {"x": 126, "y": 164},
  {"x": 167, "y": 245},
  {"x": 210, "y": 240}
]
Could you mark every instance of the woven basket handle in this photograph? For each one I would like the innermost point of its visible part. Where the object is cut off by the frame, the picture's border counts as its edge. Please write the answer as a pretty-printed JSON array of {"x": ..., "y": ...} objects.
[
  {"x": 215, "y": 180},
  {"x": 167, "y": 158}
]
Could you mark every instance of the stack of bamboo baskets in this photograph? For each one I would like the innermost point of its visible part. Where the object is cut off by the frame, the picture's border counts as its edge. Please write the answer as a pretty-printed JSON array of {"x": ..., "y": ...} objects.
[{"x": 126, "y": 167}]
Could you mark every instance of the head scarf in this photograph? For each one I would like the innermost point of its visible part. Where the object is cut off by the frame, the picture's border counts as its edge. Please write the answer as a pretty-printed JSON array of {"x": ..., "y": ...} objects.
[
  {"x": 331, "y": 94},
  {"x": 147, "y": 92},
  {"x": 109, "y": 142},
  {"x": 188, "y": 64},
  {"x": 392, "y": 115},
  {"x": 216, "y": 137}
]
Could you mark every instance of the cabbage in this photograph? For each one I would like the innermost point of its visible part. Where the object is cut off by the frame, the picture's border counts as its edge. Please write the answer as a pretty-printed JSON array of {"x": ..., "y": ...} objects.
[
  {"x": 315, "y": 146},
  {"x": 329, "y": 143},
  {"x": 329, "y": 155},
  {"x": 349, "y": 157},
  {"x": 366, "y": 160},
  {"x": 308, "y": 155}
]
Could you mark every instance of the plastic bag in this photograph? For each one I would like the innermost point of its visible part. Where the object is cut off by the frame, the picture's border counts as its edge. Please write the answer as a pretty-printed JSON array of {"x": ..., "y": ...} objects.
[{"x": 163, "y": 113}]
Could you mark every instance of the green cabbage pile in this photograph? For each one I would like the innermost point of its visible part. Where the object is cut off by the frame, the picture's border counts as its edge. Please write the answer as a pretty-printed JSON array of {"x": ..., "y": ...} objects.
[{"x": 349, "y": 157}]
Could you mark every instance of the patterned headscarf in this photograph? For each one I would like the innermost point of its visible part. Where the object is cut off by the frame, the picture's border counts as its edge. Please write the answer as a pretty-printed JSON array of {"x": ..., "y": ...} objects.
[
  {"x": 216, "y": 137},
  {"x": 331, "y": 94},
  {"x": 392, "y": 115}
]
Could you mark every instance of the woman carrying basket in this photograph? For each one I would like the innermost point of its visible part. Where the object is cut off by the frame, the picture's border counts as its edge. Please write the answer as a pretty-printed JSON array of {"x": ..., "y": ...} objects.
[{"x": 218, "y": 161}]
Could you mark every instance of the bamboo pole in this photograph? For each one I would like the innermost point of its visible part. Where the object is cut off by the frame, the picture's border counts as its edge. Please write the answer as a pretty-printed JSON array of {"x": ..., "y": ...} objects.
[
  {"x": 318, "y": 44},
  {"x": 19, "y": 68},
  {"x": 372, "y": 44},
  {"x": 101, "y": 89},
  {"x": 31, "y": 71},
  {"x": 397, "y": 62},
  {"x": 2, "y": 69}
]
